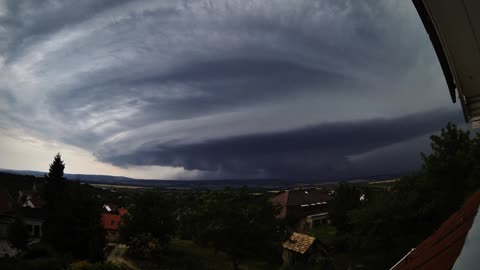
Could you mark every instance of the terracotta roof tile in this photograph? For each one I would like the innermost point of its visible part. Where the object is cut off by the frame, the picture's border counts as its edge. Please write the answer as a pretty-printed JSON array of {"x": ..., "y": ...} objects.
[{"x": 112, "y": 221}]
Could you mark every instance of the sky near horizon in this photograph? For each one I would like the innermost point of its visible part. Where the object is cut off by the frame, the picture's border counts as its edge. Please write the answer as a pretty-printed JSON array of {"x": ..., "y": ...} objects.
[{"x": 197, "y": 89}]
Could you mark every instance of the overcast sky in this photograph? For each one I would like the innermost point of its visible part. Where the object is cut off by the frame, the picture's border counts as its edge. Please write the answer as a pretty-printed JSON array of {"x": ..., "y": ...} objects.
[{"x": 218, "y": 89}]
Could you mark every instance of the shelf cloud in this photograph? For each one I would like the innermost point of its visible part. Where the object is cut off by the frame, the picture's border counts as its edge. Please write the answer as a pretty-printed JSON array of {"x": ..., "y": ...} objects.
[{"x": 223, "y": 88}]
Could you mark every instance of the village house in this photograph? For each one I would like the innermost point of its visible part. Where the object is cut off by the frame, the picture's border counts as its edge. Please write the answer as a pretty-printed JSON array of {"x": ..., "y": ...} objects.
[
  {"x": 33, "y": 218},
  {"x": 30, "y": 198},
  {"x": 111, "y": 220},
  {"x": 305, "y": 207},
  {"x": 29, "y": 208}
]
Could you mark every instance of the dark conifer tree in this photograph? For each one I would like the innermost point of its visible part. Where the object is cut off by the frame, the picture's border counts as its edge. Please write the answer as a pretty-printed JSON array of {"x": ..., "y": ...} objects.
[
  {"x": 55, "y": 183},
  {"x": 56, "y": 168},
  {"x": 73, "y": 222}
]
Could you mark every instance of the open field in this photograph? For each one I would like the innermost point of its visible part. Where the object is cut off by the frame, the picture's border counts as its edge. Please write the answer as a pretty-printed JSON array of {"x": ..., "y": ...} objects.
[{"x": 112, "y": 186}]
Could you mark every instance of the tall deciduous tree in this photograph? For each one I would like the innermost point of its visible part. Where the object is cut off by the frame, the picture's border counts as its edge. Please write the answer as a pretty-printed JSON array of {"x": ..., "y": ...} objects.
[{"x": 449, "y": 167}]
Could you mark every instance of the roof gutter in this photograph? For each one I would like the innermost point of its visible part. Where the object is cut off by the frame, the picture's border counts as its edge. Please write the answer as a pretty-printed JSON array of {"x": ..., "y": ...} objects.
[
  {"x": 441, "y": 55},
  {"x": 437, "y": 45}
]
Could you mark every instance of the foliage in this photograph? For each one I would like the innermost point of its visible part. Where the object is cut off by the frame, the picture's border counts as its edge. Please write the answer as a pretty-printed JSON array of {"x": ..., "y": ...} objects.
[
  {"x": 17, "y": 234},
  {"x": 39, "y": 250},
  {"x": 234, "y": 222},
  {"x": 186, "y": 254},
  {"x": 152, "y": 212},
  {"x": 450, "y": 166},
  {"x": 14, "y": 182},
  {"x": 73, "y": 222},
  {"x": 396, "y": 219},
  {"x": 143, "y": 245},
  {"x": 325, "y": 233},
  {"x": 346, "y": 198},
  {"x": 55, "y": 183}
]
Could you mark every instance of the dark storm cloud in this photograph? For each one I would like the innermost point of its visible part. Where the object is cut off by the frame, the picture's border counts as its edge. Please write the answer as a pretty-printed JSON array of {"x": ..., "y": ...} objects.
[
  {"x": 193, "y": 83},
  {"x": 32, "y": 21},
  {"x": 220, "y": 85},
  {"x": 315, "y": 151}
]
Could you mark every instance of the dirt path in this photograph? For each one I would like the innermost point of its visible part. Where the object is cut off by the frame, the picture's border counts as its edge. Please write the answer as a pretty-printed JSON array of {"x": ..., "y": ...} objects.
[{"x": 117, "y": 257}]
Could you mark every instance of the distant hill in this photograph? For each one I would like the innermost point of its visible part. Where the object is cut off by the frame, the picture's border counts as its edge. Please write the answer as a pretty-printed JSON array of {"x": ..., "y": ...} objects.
[
  {"x": 84, "y": 177},
  {"x": 203, "y": 184}
]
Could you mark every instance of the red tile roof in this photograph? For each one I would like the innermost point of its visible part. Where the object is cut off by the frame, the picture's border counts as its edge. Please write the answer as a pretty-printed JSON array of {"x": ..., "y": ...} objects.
[
  {"x": 441, "y": 249},
  {"x": 112, "y": 221}
]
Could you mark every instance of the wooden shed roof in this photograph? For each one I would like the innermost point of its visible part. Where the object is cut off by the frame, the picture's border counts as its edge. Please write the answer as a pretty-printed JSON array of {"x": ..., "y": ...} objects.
[{"x": 299, "y": 242}]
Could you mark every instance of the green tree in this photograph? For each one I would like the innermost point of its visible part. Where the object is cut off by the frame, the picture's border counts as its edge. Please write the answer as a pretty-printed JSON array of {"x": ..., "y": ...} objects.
[
  {"x": 55, "y": 227},
  {"x": 345, "y": 199},
  {"x": 144, "y": 245},
  {"x": 449, "y": 166},
  {"x": 237, "y": 223},
  {"x": 151, "y": 212},
  {"x": 400, "y": 217},
  {"x": 55, "y": 184},
  {"x": 86, "y": 237}
]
